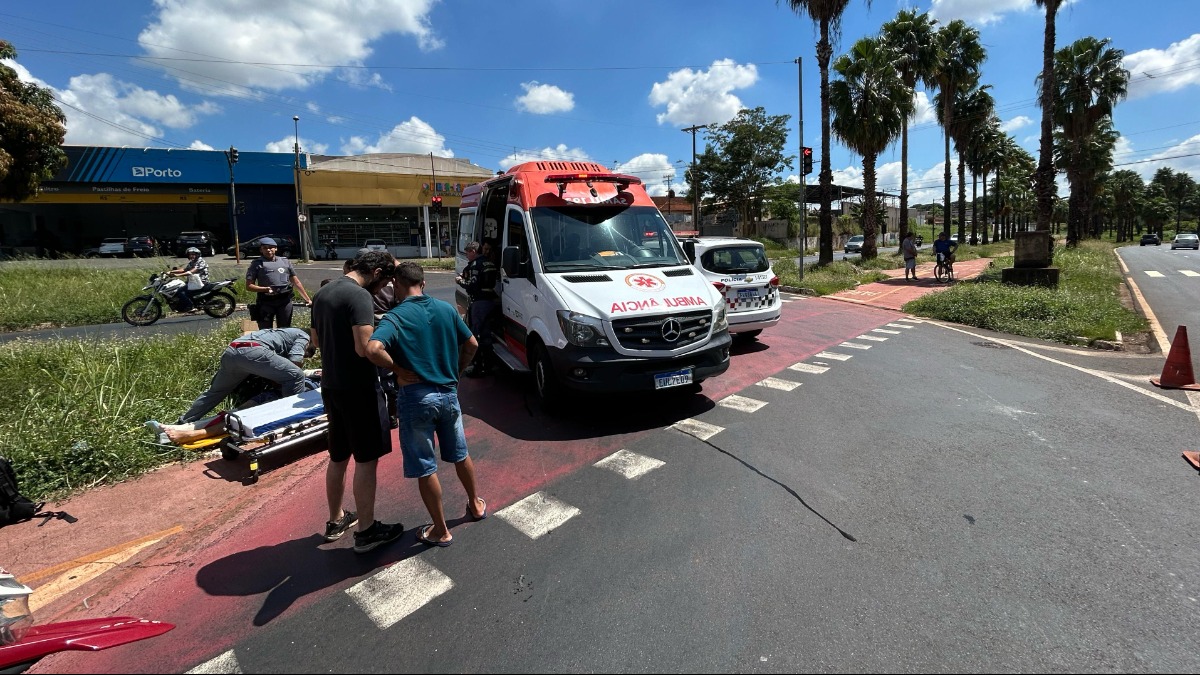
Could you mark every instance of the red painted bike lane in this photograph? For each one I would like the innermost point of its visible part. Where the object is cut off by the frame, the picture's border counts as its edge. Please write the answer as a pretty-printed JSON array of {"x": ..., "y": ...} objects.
[{"x": 264, "y": 558}]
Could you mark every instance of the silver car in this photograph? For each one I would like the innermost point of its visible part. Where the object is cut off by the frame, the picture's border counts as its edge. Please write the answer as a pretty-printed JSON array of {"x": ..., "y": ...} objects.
[{"x": 1186, "y": 241}]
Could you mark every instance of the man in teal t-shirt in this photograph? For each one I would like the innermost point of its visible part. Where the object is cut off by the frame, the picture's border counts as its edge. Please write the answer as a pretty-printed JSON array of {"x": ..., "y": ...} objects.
[{"x": 427, "y": 345}]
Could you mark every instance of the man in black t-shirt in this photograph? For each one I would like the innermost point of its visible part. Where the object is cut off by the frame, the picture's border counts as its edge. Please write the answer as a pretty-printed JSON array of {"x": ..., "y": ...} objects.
[{"x": 343, "y": 319}]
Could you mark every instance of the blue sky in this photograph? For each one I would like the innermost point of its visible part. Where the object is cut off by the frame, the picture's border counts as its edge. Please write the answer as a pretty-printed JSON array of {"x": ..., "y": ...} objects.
[{"x": 500, "y": 83}]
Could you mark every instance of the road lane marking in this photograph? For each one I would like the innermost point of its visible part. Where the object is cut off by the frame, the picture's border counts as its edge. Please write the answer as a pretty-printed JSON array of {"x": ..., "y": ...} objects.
[
  {"x": 701, "y": 430},
  {"x": 884, "y": 330},
  {"x": 854, "y": 345},
  {"x": 833, "y": 355},
  {"x": 1189, "y": 273},
  {"x": 225, "y": 663},
  {"x": 399, "y": 590},
  {"x": 872, "y": 338},
  {"x": 537, "y": 514},
  {"x": 1153, "y": 273},
  {"x": 741, "y": 403},
  {"x": 629, "y": 464},
  {"x": 93, "y": 557},
  {"x": 776, "y": 383},
  {"x": 807, "y": 368},
  {"x": 898, "y": 325}
]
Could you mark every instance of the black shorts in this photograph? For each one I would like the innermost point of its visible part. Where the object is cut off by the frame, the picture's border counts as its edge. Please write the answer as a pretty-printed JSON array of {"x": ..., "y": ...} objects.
[{"x": 358, "y": 424}]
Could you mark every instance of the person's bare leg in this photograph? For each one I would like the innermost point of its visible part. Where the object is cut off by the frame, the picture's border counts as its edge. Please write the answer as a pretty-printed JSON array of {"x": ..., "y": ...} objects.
[
  {"x": 466, "y": 475},
  {"x": 364, "y": 492},
  {"x": 431, "y": 494},
  {"x": 335, "y": 488}
]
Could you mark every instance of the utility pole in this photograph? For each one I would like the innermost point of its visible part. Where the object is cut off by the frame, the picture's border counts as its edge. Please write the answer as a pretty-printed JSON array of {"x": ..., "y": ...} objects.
[
  {"x": 803, "y": 188},
  {"x": 231, "y": 158},
  {"x": 668, "y": 178},
  {"x": 301, "y": 219},
  {"x": 695, "y": 179}
]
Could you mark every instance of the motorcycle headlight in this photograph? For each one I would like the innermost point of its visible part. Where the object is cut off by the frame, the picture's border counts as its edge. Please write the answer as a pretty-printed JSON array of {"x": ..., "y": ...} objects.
[
  {"x": 582, "y": 330},
  {"x": 720, "y": 320}
]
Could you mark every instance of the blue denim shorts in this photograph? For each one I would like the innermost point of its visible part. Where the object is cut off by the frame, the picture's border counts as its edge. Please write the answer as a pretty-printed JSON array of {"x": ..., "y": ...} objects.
[{"x": 426, "y": 412}]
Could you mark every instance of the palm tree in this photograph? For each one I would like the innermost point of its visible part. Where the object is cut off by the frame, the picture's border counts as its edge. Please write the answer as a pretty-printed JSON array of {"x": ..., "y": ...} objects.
[
  {"x": 870, "y": 104},
  {"x": 1127, "y": 189},
  {"x": 1046, "y": 186},
  {"x": 972, "y": 105},
  {"x": 980, "y": 148},
  {"x": 1088, "y": 82},
  {"x": 959, "y": 56},
  {"x": 910, "y": 36},
  {"x": 1086, "y": 163},
  {"x": 827, "y": 15}
]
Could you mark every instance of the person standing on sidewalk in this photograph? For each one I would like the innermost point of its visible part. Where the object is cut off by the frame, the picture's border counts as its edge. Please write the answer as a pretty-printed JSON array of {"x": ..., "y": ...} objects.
[
  {"x": 426, "y": 344},
  {"x": 909, "y": 250},
  {"x": 273, "y": 278},
  {"x": 342, "y": 321}
]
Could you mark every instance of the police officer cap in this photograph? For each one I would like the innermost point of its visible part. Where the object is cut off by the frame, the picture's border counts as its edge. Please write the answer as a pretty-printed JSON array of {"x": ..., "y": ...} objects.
[{"x": 267, "y": 241}]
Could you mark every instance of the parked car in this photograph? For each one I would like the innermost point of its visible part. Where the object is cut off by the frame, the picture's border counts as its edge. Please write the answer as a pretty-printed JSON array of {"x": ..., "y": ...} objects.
[
  {"x": 286, "y": 245},
  {"x": 919, "y": 240},
  {"x": 1186, "y": 241},
  {"x": 854, "y": 244},
  {"x": 1150, "y": 238},
  {"x": 202, "y": 239},
  {"x": 375, "y": 245},
  {"x": 740, "y": 270},
  {"x": 143, "y": 246},
  {"x": 114, "y": 247}
]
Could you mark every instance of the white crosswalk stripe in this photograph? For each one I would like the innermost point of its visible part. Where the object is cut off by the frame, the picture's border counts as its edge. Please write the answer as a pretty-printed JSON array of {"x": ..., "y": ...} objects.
[
  {"x": 884, "y": 330},
  {"x": 872, "y": 338},
  {"x": 741, "y": 403},
  {"x": 1154, "y": 273},
  {"x": 225, "y": 663},
  {"x": 833, "y": 355},
  {"x": 776, "y": 383},
  {"x": 899, "y": 325},
  {"x": 537, "y": 514},
  {"x": 807, "y": 368},
  {"x": 910, "y": 320},
  {"x": 701, "y": 430},
  {"x": 399, "y": 590},
  {"x": 854, "y": 345},
  {"x": 629, "y": 464},
  {"x": 1189, "y": 273}
]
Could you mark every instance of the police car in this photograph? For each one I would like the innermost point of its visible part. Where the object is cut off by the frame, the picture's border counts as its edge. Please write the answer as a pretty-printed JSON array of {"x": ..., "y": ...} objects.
[{"x": 740, "y": 270}]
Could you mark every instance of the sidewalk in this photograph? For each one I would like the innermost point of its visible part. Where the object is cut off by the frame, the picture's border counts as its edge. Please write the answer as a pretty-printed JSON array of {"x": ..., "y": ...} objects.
[{"x": 895, "y": 292}]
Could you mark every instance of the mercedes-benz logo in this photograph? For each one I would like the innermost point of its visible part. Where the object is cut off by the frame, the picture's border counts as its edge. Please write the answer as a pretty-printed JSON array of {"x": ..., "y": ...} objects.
[{"x": 671, "y": 330}]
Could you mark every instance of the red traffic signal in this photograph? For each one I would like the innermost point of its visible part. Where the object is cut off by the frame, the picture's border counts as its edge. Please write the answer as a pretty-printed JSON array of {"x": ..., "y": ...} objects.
[
  {"x": 806, "y": 163},
  {"x": 437, "y": 205}
]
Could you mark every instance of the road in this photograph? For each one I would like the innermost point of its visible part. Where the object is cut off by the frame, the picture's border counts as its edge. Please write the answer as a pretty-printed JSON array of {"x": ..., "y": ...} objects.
[
  {"x": 1169, "y": 281},
  {"x": 861, "y": 492}
]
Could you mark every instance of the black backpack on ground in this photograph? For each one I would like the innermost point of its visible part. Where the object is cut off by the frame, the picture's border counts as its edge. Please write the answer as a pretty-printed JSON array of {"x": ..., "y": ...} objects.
[{"x": 13, "y": 506}]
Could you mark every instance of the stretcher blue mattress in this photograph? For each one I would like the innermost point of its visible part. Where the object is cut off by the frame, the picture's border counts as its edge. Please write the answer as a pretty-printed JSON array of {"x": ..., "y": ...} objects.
[{"x": 275, "y": 416}]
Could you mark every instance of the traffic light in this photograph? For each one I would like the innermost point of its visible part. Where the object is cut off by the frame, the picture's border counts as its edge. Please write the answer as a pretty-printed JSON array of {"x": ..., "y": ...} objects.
[
  {"x": 806, "y": 161},
  {"x": 241, "y": 207},
  {"x": 437, "y": 205},
  {"x": 233, "y": 155}
]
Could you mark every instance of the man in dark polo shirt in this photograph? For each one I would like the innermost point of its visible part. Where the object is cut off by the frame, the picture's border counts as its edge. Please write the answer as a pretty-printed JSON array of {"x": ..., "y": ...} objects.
[
  {"x": 342, "y": 320},
  {"x": 273, "y": 278}
]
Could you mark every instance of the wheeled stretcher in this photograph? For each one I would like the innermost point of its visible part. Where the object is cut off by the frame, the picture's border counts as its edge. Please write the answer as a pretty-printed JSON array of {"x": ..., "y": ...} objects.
[{"x": 273, "y": 426}]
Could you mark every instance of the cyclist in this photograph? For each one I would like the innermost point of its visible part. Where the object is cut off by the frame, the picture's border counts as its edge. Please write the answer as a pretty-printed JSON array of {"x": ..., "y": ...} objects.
[{"x": 944, "y": 249}]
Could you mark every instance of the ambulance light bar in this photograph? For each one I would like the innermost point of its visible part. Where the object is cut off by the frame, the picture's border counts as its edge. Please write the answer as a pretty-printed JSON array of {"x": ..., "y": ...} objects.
[{"x": 622, "y": 181}]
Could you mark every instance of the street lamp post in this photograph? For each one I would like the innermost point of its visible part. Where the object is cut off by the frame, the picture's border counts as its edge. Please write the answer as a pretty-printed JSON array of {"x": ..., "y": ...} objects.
[
  {"x": 695, "y": 179},
  {"x": 231, "y": 158},
  {"x": 300, "y": 217}
]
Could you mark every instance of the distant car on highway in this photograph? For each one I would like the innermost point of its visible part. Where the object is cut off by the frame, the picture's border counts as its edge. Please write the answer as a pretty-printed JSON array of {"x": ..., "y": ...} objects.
[
  {"x": 1186, "y": 241},
  {"x": 854, "y": 244},
  {"x": 1150, "y": 239}
]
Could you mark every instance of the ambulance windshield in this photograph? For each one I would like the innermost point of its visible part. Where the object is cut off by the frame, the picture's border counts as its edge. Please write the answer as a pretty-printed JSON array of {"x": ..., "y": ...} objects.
[{"x": 573, "y": 238}]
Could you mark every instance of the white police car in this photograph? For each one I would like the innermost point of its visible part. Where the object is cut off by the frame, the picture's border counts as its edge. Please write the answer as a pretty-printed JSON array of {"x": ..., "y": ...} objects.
[{"x": 740, "y": 270}]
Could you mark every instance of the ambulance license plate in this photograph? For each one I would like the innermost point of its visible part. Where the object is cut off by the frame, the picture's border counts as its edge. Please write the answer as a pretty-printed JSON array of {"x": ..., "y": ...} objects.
[{"x": 676, "y": 378}]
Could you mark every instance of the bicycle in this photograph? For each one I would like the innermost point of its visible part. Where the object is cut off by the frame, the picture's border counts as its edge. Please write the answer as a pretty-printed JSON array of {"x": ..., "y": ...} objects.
[{"x": 944, "y": 271}]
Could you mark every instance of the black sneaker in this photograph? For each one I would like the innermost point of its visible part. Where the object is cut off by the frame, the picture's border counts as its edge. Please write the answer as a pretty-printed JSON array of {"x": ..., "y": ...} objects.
[
  {"x": 377, "y": 534},
  {"x": 334, "y": 531}
]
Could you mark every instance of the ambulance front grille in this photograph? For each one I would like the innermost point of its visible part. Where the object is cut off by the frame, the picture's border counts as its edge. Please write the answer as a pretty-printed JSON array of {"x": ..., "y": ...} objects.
[{"x": 653, "y": 332}]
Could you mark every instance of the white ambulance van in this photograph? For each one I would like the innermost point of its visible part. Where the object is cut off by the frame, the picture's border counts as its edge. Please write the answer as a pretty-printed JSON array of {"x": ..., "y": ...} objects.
[{"x": 596, "y": 292}]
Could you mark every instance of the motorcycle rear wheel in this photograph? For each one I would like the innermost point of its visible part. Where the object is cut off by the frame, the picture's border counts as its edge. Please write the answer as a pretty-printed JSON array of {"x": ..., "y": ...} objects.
[
  {"x": 141, "y": 311},
  {"x": 220, "y": 305}
]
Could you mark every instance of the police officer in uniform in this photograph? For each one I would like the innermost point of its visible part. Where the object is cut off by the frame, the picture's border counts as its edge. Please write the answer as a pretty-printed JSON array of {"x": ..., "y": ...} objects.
[
  {"x": 273, "y": 278},
  {"x": 479, "y": 280}
]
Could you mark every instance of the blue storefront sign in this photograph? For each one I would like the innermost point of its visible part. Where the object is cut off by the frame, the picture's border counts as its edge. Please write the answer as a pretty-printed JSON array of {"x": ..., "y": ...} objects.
[{"x": 86, "y": 164}]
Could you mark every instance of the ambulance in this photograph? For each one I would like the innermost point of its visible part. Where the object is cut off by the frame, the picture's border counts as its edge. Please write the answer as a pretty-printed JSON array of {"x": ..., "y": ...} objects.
[{"x": 596, "y": 293}]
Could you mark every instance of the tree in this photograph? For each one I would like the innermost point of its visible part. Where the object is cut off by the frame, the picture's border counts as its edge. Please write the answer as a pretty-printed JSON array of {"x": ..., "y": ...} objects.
[
  {"x": 971, "y": 107},
  {"x": 742, "y": 156},
  {"x": 910, "y": 37},
  {"x": 1046, "y": 186},
  {"x": 1127, "y": 190},
  {"x": 1087, "y": 162},
  {"x": 984, "y": 158},
  {"x": 1089, "y": 81},
  {"x": 32, "y": 129},
  {"x": 870, "y": 104},
  {"x": 827, "y": 15},
  {"x": 1178, "y": 187},
  {"x": 960, "y": 55}
]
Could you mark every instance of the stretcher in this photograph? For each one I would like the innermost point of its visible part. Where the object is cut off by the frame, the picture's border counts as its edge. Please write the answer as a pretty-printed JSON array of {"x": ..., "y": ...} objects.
[{"x": 273, "y": 426}]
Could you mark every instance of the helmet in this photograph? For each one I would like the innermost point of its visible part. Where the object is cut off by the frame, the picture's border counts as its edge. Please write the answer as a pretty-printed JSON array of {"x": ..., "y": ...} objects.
[{"x": 192, "y": 249}]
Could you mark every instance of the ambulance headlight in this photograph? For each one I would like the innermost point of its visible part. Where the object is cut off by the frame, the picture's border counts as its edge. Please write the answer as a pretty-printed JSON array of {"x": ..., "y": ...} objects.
[
  {"x": 720, "y": 320},
  {"x": 582, "y": 330}
]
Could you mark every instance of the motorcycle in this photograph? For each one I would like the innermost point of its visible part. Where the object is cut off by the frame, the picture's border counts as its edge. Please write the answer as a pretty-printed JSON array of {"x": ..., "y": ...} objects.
[
  {"x": 330, "y": 250},
  {"x": 164, "y": 288},
  {"x": 23, "y": 642}
]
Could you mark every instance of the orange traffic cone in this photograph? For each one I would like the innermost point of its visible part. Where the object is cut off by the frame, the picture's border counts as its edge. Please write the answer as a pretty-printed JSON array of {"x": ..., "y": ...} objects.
[
  {"x": 1177, "y": 371},
  {"x": 1192, "y": 458}
]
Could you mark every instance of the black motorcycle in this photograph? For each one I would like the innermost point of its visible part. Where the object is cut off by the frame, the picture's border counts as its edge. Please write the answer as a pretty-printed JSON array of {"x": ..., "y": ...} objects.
[{"x": 214, "y": 299}]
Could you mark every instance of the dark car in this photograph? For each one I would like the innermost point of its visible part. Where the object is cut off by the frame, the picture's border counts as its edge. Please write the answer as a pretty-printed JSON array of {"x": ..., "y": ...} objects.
[
  {"x": 143, "y": 246},
  {"x": 250, "y": 248},
  {"x": 202, "y": 239},
  {"x": 1150, "y": 238}
]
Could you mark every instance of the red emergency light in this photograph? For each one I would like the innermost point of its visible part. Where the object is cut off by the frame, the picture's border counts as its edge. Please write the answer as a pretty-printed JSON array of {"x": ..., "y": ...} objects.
[{"x": 622, "y": 181}]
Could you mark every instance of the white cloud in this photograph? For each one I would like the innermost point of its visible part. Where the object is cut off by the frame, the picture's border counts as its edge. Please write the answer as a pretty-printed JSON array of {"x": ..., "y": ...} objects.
[
  {"x": 1173, "y": 157},
  {"x": 1016, "y": 123},
  {"x": 977, "y": 12},
  {"x": 1154, "y": 71},
  {"x": 923, "y": 112},
  {"x": 544, "y": 99},
  {"x": 559, "y": 152},
  {"x": 415, "y": 136},
  {"x": 287, "y": 144},
  {"x": 314, "y": 36},
  {"x": 653, "y": 169},
  {"x": 702, "y": 97},
  {"x": 199, "y": 145}
]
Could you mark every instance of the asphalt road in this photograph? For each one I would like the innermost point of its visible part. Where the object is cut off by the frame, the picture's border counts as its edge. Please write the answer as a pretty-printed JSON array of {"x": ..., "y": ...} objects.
[
  {"x": 1170, "y": 283},
  {"x": 935, "y": 499}
]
